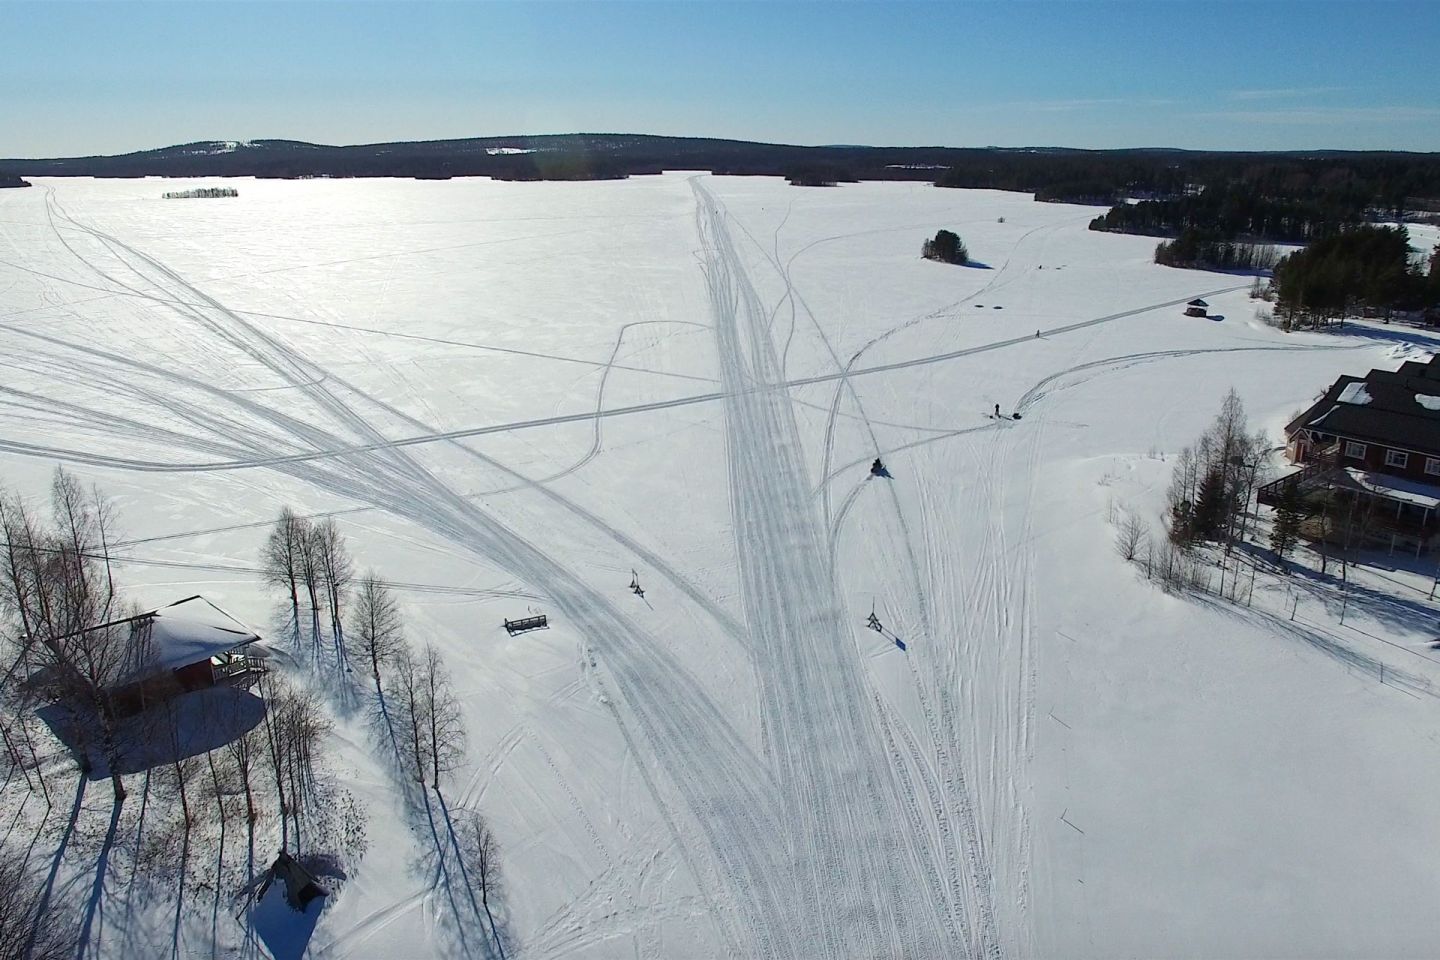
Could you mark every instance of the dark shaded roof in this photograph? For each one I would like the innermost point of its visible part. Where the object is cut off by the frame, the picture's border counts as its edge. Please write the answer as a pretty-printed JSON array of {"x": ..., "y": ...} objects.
[
  {"x": 1197, "y": 302},
  {"x": 1395, "y": 408}
]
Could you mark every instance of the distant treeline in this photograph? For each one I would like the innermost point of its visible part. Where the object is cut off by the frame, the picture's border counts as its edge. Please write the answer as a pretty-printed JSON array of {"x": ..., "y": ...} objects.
[
  {"x": 1346, "y": 181},
  {"x": 1102, "y": 177},
  {"x": 205, "y": 192},
  {"x": 1203, "y": 249},
  {"x": 819, "y": 175},
  {"x": 7, "y": 181},
  {"x": 1236, "y": 210},
  {"x": 1364, "y": 267}
]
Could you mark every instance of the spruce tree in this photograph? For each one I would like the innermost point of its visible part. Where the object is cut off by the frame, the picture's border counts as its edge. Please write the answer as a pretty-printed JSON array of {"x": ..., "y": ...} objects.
[
  {"x": 1210, "y": 506},
  {"x": 1286, "y": 530}
]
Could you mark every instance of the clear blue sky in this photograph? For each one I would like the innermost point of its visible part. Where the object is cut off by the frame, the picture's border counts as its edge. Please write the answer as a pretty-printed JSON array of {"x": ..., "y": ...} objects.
[{"x": 84, "y": 78}]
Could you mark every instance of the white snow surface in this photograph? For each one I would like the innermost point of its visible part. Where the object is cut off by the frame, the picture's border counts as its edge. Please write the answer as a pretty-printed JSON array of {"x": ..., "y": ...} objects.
[
  {"x": 510, "y": 395},
  {"x": 1427, "y": 401},
  {"x": 1356, "y": 394}
]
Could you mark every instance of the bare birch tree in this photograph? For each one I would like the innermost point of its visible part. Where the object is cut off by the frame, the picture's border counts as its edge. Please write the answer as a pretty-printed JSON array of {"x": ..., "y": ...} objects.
[
  {"x": 246, "y": 752},
  {"x": 445, "y": 726},
  {"x": 281, "y": 561},
  {"x": 60, "y": 597},
  {"x": 375, "y": 635},
  {"x": 294, "y": 726},
  {"x": 410, "y": 694},
  {"x": 311, "y": 576},
  {"x": 336, "y": 572},
  {"x": 480, "y": 855}
]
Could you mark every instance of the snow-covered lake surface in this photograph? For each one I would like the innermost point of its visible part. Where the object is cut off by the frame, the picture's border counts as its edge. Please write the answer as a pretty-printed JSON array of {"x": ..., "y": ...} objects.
[{"x": 512, "y": 396}]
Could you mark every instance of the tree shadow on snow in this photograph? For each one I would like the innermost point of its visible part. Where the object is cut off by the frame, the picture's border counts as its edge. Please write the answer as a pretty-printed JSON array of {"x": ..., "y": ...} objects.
[
  {"x": 1398, "y": 613},
  {"x": 1323, "y": 641},
  {"x": 190, "y": 725},
  {"x": 447, "y": 859},
  {"x": 1397, "y": 334}
]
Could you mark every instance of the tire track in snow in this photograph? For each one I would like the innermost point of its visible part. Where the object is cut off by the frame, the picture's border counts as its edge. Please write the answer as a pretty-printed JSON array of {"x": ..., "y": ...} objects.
[
  {"x": 340, "y": 450},
  {"x": 727, "y": 804},
  {"x": 850, "y": 862}
]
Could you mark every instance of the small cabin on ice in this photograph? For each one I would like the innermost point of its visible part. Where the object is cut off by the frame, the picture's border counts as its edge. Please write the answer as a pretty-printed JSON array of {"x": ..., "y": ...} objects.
[{"x": 1197, "y": 308}]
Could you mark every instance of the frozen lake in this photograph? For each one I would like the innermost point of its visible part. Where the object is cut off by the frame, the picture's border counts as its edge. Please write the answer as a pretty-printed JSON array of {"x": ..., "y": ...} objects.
[{"x": 515, "y": 397}]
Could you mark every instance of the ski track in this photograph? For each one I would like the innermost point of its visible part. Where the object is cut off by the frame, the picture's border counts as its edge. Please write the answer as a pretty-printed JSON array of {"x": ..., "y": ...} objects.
[
  {"x": 850, "y": 863},
  {"x": 724, "y": 789},
  {"x": 851, "y": 834}
]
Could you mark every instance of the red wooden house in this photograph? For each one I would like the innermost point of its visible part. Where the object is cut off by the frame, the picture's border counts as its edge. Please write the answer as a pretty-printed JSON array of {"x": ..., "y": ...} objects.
[
  {"x": 188, "y": 645},
  {"x": 1375, "y": 440}
]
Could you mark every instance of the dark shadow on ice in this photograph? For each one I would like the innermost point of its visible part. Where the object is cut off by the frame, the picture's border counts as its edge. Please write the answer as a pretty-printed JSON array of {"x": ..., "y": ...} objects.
[
  {"x": 97, "y": 888},
  {"x": 1396, "y": 611},
  {"x": 466, "y": 844},
  {"x": 285, "y": 931},
  {"x": 189, "y": 725},
  {"x": 1396, "y": 333},
  {"x": 48, "y": 891}
]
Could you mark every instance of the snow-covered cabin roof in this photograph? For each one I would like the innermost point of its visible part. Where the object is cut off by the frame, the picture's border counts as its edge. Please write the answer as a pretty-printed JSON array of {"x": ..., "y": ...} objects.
[{"x": 186, "y": 632}]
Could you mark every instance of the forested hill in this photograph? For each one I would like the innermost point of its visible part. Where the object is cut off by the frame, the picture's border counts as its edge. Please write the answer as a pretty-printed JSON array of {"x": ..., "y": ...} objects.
[
  {"x": 557, "y": 157},
  {"x": 1094, "y": 176}
]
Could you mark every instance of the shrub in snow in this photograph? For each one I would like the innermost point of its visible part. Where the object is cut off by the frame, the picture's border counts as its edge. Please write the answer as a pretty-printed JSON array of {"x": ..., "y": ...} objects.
[{"x": 947, "y": 247}]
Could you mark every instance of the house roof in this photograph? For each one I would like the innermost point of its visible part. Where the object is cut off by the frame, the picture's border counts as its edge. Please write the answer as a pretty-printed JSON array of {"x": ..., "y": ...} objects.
[
  {"x": 186, "y": 632},
  {"x": 1197, "y": 302},
  {"x": 1394, "y": 408},
  {"x": 1393, "y": 488}
]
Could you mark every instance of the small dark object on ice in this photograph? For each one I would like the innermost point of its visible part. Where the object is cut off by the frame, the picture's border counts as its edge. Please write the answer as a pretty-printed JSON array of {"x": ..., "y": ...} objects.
[
  {"x": 873, "y": 622},
  {"x": 997, "y": 411},
  {"x": 524, "y": 624},
  {"x": 301, "y": 885},
  {"x": 1037, "y": 334},
  {"x": 877, "y": 469},
  {"x": 1015, "y": 416},
  {"x": 997, "y": 307}
]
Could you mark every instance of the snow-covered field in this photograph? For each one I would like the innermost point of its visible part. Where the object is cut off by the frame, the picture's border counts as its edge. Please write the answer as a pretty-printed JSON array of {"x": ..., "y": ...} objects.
[{"x": 513, "y": 395}]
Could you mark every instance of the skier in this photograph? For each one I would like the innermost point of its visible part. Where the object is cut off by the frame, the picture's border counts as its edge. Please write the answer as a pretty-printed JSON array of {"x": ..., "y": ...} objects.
[
  {"x": 1037, "y": 334},
  {"x": 997, "y": 411}
]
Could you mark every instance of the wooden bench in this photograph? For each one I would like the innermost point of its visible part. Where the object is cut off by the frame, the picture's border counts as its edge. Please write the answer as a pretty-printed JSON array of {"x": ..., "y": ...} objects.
[{"x": 538, "y": 622}]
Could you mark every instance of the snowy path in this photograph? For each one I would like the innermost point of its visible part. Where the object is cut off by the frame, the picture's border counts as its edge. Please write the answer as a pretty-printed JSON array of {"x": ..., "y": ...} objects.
[{"x": 860, "y": 872}]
